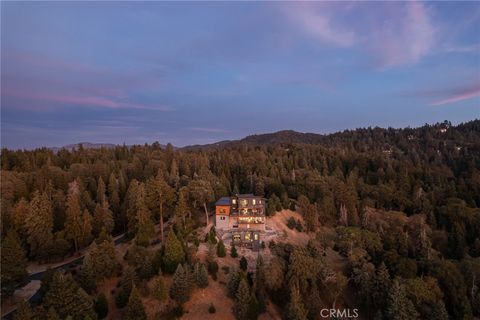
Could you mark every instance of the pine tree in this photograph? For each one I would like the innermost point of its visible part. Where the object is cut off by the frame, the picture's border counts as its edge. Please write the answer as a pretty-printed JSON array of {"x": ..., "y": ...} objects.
[
  {"x": 135, "y": 309},
  {"x": 131, "y": 207},
  {"x": 180, "y": 291},
  {"x": 128, "y": 280},
  {"x": 233, "y": 251},
  {"x": 295, "y": 308},
  {"x": 174, "y": 254},
  {"x": 13, "y": 263},
  {"x": 253, "y": 308},
  {"x": 233, "y": 282},
  {"x": 242, "y": 299},
  {"x": 202, "y": 277},
  {"x": 181, "y": 209},
  {"x": 20, "y": 213},
  {"x": 146, "y": 228},
  {"x": 113, "y": 194},
  {"x": 102, "y": 218},
  {"x": 39, "y": 224},
  {"x": 159, "y": 288},
  {"x": 101, "y": 189},
  {"x": 243, "y": 264},
  {"x": 68, "y": 299},
  {"x": 87, "y": 275},
  {"x": 86, "y": 236},
  {"x": 24, "y": 312},
  {"x": 73, "y": 219},
  {"x": 381, "y": 285},
  {"x": 101, "y": 306},
  {"x": 399, "y": 307},
  {"x": 221, "y": 249},
  {"x": 260, "y": 284},
  {"x": 159, "y": 194}
]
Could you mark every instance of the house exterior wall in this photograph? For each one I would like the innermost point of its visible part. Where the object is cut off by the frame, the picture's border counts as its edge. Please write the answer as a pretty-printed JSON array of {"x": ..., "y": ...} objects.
[{"x": 222, "y": 221}]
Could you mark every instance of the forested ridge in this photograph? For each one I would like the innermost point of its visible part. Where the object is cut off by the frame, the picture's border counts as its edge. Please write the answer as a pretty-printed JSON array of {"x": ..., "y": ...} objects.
[{"x": 402, "y": 205}]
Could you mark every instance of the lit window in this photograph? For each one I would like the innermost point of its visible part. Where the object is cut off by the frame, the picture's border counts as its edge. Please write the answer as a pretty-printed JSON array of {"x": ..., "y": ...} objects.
[
  {"x": 247, "y": 236},
  {"x": 254, "y": 201},
  {"x": 255, "y": 236},
  {"x": 234, "y": 201},
  {"x": 236, "y": 237}
]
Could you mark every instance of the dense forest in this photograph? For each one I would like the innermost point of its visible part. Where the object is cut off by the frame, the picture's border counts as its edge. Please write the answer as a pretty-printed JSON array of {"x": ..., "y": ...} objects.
[{"x": 402, "y": 206}]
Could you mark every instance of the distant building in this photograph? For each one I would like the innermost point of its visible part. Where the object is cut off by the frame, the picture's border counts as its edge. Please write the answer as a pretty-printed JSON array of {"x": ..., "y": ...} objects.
[{"x": 244, "y": 216}]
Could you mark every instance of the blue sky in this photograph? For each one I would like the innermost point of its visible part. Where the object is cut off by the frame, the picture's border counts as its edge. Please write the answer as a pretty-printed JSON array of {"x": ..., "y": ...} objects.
[{"x": 198, "y": 72}]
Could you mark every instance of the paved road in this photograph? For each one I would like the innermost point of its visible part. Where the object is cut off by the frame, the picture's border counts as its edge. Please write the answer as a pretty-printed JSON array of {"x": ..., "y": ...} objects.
[{"x": 36, "y": 297}]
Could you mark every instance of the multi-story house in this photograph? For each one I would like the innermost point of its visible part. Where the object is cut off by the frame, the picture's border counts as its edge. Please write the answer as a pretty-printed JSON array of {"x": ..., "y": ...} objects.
[{"x": 244, "y": 216}]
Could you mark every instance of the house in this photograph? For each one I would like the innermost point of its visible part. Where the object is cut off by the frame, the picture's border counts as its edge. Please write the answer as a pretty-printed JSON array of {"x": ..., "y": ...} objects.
[{"x": 243, "y": 215}]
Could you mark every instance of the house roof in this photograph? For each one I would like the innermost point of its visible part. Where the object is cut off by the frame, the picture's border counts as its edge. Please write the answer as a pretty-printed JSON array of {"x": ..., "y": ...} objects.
[
  {"x": 223, "y": 201},
  {"x": 247, "y": 195}
]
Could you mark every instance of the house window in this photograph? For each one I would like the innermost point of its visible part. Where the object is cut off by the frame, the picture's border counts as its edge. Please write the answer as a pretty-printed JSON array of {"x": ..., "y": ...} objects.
[
  {"x": 255, "y": 236},
  {"x": 236, "y": 237},
  {"x": 243, "y": 202},
  {"x": 234, "y": 201},
  {"x": 247, "y": 236},
  {"x": 254, "y": 201},
  {"x": 222, "y": 210},
  {"x": 222, "y": 218}
]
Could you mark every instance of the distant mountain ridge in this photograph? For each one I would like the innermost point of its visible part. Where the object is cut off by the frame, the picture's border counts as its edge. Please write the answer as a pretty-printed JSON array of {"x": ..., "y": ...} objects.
[
  {"x": 85, "y": 145},
  {"x": 382, "y": 136}
]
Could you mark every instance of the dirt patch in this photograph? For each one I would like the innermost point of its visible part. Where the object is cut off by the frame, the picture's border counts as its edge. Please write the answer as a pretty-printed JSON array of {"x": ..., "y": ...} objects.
[{"x": 278, "y": 224}]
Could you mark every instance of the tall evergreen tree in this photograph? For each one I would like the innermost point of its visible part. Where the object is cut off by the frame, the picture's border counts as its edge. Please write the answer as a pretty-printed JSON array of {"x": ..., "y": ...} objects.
[
  {"x": 159, "y": 288},
  {"x": 295, "y": 308},
  {"x": 174, "y": 254},
  {"x": 399, "y": 307},
  {"x": 180, "y": 291},
  {"x": 101, "y": 306},
  {"x": 101, "y": 190},
  {"x": 102, "y": 218},
  {"x": 181, "y": 209},
  {"x": 221, "y": 249},
  {"x": 68, "y": 299},
  {"x": 86, "y": 235},
  {"x": 202, "y": 277},
  {"x": 114, "y": 194},
  {"x": 242, "y": 300},
  {"x": 159, "y": 195},
  {"x": 146, "y": 228},
  {"x": 13, "y": 263},
  {"x": 73, "y": 219},
  {"x": 39, "y": 224},
  {"x": 135, "y": 309}
]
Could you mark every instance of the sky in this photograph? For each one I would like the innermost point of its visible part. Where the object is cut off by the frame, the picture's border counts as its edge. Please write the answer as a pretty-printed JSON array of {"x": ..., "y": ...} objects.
[{"x": 199, "y": 72}]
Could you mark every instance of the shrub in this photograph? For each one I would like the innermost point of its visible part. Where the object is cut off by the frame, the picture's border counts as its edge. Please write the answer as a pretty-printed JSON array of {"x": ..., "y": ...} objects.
[
  {"x": 212, "y": 309},
  {"x": 101, "y": 306},
  {"x": 233, "y": 251},
  {"x": 221, "y": 249},
  {"x": 291, "y": 223},
  {"x": 243, "y": 264}
]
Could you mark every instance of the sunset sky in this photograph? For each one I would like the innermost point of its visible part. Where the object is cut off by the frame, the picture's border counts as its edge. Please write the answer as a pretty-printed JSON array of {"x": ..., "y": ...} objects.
[{"x": 198, "y": 72}]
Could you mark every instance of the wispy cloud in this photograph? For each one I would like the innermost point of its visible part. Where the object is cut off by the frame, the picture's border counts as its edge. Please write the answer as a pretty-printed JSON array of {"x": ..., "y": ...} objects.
[
  {"x": 319, "y": 24},
  {"x": 395, "y": 35},
  {"x": 466, "y": 48},
  {"x": 86, "y": 101},
  {"x": 459, "y": 94},
  {"x": 405, "y": 37}
]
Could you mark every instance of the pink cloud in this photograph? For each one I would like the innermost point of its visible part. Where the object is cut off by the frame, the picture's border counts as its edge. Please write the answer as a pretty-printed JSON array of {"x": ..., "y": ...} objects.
[
  {"x": 319, "y": 24},
  {"x": 87, "y": 101},
  {"x": 465, "y": 94},
  {"x": 395, "y": 34},
  {"x": 404, "y": 37}
]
